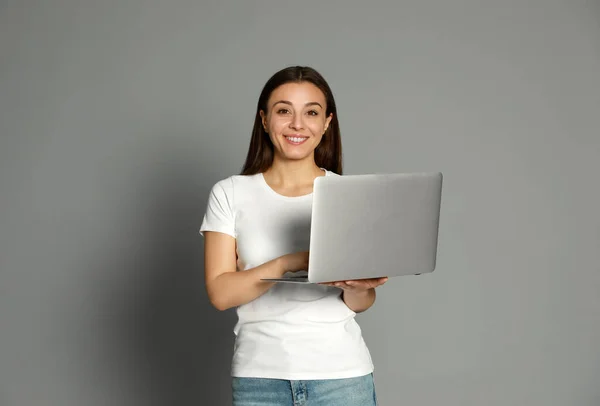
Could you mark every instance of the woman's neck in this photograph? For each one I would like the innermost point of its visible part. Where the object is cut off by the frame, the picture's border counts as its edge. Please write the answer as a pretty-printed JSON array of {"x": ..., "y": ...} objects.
[{"x": 291, "y": 174}]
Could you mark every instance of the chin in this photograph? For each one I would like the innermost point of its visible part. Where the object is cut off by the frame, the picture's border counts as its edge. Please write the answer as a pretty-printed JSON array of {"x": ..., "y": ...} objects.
[{"x": 296, "y": 156}]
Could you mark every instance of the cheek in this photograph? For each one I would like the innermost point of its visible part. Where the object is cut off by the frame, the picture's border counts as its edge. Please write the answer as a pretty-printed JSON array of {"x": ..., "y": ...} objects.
[
  {"x": 278, "y": 124},
  {"x": 275, "y": 136},
  {"x": 317, "y": 127}
]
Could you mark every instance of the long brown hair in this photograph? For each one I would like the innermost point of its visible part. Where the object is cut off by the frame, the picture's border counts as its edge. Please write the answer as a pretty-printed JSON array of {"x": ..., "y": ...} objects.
[{"x": 328, "y": 154}]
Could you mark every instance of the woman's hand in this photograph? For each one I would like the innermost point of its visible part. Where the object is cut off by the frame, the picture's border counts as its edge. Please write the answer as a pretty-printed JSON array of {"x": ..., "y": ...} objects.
[
  {"x": 297, "y": 261},
  {"x": 358, "y": 285},
  {"x": 358, "y": 294}
]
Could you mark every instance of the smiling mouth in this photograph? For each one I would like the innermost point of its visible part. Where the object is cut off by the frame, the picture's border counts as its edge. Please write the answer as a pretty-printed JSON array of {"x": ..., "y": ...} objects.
[{"x": 295, "y": 140}]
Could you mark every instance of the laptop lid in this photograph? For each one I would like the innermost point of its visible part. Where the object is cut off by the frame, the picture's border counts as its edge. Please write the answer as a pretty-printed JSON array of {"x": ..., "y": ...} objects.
[{"x": 374, "y": 225}]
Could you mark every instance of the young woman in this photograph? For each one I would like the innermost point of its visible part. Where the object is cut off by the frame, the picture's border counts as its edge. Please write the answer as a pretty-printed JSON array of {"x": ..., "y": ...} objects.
[{"x": 295, "y": 344}]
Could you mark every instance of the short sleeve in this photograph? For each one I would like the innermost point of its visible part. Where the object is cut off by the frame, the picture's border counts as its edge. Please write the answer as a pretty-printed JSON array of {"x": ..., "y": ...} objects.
[{"x": 220, "y": 215}]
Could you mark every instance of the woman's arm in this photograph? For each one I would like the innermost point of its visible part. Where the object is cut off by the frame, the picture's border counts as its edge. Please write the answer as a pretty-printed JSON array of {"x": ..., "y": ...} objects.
[{"x": 227, "y": 288}]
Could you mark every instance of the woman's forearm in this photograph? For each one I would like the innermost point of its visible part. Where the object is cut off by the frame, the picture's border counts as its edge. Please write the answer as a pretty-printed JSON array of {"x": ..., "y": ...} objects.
[{"x": 232, "y": 289}]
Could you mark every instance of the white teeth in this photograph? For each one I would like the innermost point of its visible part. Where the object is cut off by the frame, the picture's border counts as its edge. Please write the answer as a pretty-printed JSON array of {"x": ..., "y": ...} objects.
[{"x": 294, "y": 139}]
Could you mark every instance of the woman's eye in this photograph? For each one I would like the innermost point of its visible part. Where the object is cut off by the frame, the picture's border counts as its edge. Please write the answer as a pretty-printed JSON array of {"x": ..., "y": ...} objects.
[
  {"x": 313, "y": 113},
  {"x": 282, "y": 111}
]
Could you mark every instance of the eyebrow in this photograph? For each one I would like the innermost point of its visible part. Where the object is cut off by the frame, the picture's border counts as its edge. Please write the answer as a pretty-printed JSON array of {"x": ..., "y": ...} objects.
[{"x": 290, "y": 103}]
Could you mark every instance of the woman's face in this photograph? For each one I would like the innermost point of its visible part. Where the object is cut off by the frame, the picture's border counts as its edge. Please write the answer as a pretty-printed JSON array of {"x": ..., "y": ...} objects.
[{"x": 296, "y": 119}]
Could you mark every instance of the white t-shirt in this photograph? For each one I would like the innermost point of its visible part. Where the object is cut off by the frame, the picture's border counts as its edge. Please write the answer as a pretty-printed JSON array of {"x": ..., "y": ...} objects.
[{"x": 293, "y": 331}]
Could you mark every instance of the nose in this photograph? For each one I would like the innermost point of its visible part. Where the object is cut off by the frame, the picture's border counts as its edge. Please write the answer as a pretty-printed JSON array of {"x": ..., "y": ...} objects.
[{"x": 296, "y": 122}]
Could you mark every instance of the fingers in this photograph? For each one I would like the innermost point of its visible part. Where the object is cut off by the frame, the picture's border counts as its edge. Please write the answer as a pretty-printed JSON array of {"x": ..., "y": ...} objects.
[
  {"x": 368, "y": 283},
  {"x": 346, "y": 285},
  {"x": 358, "y": 284},
  {"x": 363, "y": 285}
]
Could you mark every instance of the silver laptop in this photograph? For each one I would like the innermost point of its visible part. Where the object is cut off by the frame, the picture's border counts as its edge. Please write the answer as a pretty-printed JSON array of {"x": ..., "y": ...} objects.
[{"x": 369, "y": 226}]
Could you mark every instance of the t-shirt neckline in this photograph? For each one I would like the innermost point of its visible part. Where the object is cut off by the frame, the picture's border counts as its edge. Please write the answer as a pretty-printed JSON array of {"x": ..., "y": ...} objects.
[{"x": 280, "y": 196}]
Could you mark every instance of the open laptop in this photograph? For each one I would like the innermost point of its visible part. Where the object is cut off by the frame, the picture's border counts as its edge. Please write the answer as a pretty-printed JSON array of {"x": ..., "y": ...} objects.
[{"x": 370, "y": 226}]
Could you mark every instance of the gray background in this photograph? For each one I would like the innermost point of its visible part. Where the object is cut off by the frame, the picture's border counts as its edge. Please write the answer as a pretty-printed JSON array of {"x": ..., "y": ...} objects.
[{"x": 118, "y": 116}]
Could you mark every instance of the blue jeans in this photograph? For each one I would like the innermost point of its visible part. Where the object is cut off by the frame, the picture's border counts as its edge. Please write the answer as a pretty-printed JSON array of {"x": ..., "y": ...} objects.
[{"x": 359, "y": 391}]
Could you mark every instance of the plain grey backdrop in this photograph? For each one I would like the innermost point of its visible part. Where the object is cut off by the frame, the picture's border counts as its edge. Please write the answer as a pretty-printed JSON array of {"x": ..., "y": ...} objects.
[{"x": 117, "y": 117}]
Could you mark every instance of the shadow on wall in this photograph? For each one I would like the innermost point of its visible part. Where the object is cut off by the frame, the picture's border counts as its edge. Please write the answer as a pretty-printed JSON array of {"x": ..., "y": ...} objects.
[{"x": 169, "y": 345}]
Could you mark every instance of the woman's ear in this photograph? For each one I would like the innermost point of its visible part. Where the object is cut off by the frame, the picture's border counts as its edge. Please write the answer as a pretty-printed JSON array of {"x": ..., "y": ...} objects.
[
  {"x": 327, "y": 122},
  {"x": 263, "y": 118}
]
